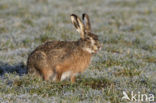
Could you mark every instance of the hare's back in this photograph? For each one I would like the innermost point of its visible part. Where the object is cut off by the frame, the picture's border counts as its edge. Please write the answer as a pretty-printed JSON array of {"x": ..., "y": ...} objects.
[
  {"x": 52, "y": 45},
  {"x": 56, "y": 51}
]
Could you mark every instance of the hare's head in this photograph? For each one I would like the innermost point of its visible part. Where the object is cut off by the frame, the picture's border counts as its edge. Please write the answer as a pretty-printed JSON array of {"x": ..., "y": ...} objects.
[{"x": 89, "y": 41}]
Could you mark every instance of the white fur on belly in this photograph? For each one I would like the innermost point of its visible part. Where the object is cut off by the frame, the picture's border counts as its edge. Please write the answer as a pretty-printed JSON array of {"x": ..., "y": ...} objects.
[
  {"x": 54, "y": 78},
  {"x": 66, "y": 75}
]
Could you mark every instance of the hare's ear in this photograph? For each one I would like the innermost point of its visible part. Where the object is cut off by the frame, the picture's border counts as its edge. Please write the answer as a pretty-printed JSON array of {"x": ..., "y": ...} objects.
[
  {"x": 86, "y": 21},
  {"x": 78, "y": 24}
]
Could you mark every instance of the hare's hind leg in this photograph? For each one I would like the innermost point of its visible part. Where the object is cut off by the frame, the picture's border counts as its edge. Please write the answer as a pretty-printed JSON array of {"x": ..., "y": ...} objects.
[
  {"x": 40, "y": 71},
  {"x": 33, "y": 71},
  {"x": 47, "y": 73},
  {"x": 44, "y": 69},
  {"x": 39, "y": 65}
]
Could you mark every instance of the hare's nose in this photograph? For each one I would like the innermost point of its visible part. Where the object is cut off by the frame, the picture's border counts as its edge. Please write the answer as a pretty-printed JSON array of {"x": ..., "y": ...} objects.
[{"x": 99, "y": 46}]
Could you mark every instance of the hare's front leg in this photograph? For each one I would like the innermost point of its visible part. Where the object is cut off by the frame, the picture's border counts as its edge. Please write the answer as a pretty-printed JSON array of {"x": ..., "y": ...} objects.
[
  {"x": 58, "y": 77},
  {"x": 72, "y": 78}
]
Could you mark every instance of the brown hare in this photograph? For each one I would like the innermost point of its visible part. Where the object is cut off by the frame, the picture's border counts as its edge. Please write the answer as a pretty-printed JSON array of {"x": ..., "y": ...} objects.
[{"x": 58, "y": 60}]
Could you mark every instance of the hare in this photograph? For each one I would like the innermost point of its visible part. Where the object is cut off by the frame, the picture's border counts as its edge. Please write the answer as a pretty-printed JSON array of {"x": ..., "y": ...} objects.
[{"x": 58, "y": 60}]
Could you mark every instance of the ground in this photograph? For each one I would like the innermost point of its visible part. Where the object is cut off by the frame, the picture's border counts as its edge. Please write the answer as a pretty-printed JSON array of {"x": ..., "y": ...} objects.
[{"x": 126, "y": 62}]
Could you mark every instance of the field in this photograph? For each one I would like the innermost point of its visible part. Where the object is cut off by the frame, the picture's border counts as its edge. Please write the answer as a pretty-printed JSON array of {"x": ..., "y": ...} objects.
[{"x": 126, "y": 62}]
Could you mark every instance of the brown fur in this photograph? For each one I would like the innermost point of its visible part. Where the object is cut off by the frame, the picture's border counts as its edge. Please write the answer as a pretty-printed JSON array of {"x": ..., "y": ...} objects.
[{"x": 54, "y": 58}]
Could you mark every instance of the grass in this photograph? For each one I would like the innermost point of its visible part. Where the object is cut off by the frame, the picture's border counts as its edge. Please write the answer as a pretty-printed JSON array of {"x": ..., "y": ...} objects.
[{"x": 126, "y": 62}]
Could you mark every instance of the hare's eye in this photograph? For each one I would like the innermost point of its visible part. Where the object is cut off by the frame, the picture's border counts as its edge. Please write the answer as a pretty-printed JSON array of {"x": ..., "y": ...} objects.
[
  {"x": 95, "y": 38},
  {"x": 87, "y": 38}
]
